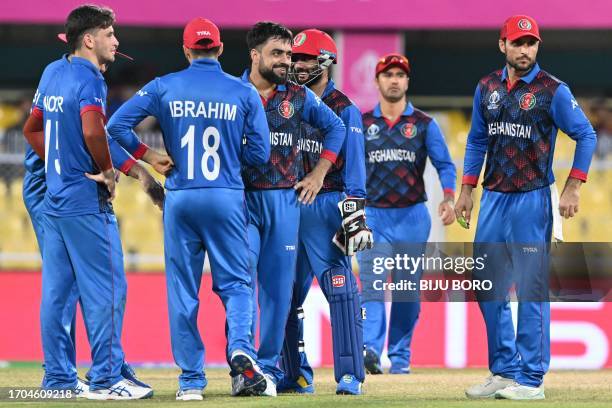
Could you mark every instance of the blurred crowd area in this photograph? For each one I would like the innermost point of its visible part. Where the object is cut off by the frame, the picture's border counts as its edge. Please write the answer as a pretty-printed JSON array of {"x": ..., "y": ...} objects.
[{"x": 141, "y": 223}]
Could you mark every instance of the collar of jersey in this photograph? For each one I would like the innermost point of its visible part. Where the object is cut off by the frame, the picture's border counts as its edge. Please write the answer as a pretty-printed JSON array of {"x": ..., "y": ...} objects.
[
  {"x": 527, "y": 78},
  {"x": 245, "y": 78},
  {"x": 407, "y": 112},
  {"x": 328, "y": 88},
  {"x": 207, "y": 64},
  {"x": 82, "y": 61}
]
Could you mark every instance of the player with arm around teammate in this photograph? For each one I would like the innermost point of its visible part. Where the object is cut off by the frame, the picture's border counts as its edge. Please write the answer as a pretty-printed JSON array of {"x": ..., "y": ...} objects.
[
  {"x": 275, "y": 190},
  {"x": 314, "y": 52},
  {"x": 516, "y": 115},
  {"x": 204, "y": 114}
]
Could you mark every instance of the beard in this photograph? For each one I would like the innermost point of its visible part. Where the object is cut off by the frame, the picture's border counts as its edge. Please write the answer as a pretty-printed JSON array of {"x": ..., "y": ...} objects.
[
  {"x": 271, "y": 76},
  {"x": 519, "y": 68}
]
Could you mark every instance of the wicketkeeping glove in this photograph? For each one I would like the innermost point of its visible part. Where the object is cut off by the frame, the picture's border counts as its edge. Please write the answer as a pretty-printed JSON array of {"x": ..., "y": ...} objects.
[{"x": 353, "y": 235}]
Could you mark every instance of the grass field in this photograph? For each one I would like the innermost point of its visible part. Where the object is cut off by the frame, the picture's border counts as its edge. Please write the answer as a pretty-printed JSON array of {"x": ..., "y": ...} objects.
[{"x": 423, "y": 388}]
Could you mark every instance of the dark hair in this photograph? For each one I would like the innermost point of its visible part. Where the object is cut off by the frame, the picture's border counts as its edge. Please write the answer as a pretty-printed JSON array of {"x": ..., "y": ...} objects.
[
  {"x": 263, "y": 31},
  {"x": 84, "y": 18},
  {"x": 209, "y": 53}
]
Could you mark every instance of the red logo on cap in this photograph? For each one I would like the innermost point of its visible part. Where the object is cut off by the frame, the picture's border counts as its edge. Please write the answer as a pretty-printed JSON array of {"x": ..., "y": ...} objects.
[
  {"x": 524, "y": 24},
  {"x": 338, "y": 281},
  {"x": 286, "y": 109}
]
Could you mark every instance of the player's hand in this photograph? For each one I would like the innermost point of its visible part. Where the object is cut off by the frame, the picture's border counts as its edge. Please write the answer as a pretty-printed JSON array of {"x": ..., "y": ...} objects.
[
  {"x": 154, "y": 190},
  {"x": 570, "y": 197},
  {"x": 446, "y": 212},
  {"x": 162, "y": 163},
  {"x": 309, "y": 186},
  {"x": 107, "y": 178},
  {"x": 354, "y": 234},
  {"x": 464, "y": 204}
]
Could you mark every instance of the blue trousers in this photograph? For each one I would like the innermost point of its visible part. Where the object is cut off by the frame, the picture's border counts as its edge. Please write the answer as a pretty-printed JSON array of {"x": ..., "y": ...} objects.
[
  {"x": 517, "y": 221},
  {"x": 273, "y": 230},
  {"x": 396, "y": 231},
  {"x": 196, "y": 222},
  {"x": 84, "y": 251},
  {"x": 316, "y": 256}
]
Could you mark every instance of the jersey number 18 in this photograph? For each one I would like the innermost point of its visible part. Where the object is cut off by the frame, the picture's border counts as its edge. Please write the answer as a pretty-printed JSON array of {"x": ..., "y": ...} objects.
[{"x": 210, "y": 152}]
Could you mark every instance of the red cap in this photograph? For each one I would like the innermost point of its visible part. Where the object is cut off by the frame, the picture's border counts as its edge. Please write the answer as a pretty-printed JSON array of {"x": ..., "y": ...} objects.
[
  {"x": 519, "y": 26},
  {"x": 200, "y": 29},
  {"x": 314, "y": 42},
  {"x": 393, "y": 60}
]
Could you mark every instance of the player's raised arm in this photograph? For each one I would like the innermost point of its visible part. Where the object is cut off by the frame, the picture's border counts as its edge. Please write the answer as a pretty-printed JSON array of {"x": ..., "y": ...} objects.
[
  {"x": 121, "y": 127},
  {"x": 569, "y": 117},
  {"x": 256, "y": 131}
]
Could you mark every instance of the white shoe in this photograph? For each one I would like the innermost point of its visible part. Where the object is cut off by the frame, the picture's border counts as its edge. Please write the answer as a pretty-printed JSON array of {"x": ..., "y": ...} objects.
[
  {"x": 270, "y": 390},
  {"x": 189, "y": 395},
  {"x": 121, "y": 390},
  {"x": 249, "y": 379},
  {"x": 492, "y": 384},
  {"x": 520, "y": 392},
  {"x": 82, "y": 388}
]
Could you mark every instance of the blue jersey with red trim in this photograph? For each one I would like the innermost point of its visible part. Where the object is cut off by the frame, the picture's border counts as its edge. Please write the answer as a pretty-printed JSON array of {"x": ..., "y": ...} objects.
[
  {"x": 517, "y": 129},
  {"x": 204, "y": 114},
  {"x": 285, "y": 110},
  {"x": 68, "y": 88},
  {"x": 347, "y": 174},
  {"x": 396, "y": 154}
]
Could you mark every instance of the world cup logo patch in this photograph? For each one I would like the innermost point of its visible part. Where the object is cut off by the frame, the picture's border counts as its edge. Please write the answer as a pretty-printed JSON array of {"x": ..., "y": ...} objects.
[
  {"x": 409, "y": 130},
  {"x": 524, "y": 24},
  {"x": 286, "y": 109},
  {"x": 338, "y": 281},
  {"x": 527, "y": 101}
]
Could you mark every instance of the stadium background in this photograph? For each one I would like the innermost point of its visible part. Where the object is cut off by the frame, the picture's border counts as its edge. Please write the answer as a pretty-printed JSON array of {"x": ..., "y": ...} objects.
[{"x": 450, "y": 45}]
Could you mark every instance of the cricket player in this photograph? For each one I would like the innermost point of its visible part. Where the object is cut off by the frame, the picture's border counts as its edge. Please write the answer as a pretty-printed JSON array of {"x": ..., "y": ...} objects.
[
  {"x": 314, "y": 52},
  {"x": 398, "y": 141},
  {"x": 34, "y": 189},
  {"x": 275, "y": 189},
  {"x": 516, "y": 115},
  {"x": 80, "y": 244},
  {"x": 204, "y": 114}
]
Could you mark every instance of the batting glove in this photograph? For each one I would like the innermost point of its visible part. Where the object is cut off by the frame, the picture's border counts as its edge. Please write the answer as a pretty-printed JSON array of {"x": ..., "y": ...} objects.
[{"x": 353, "y": 235}]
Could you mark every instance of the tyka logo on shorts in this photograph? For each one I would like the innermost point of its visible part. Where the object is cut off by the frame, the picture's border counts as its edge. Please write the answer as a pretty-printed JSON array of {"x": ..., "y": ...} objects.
[{"x": 338, "y": 281}]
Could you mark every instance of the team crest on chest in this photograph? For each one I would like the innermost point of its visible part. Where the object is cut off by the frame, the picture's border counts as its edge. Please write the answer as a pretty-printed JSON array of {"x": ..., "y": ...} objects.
[
  {"x": 373, "y": 132},
  {"x": 527, "y": 101},
  {"x": 409, "y": 130},
  {"x": 286, "y": 109}
]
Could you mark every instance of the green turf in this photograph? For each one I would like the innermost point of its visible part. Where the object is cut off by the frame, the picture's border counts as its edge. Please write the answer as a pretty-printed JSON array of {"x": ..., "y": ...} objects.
[{"x": 422, "y": 388}]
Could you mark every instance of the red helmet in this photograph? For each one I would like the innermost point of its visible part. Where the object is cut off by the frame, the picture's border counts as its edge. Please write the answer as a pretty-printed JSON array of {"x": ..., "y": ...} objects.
[{"x": 315, "y": 43}]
